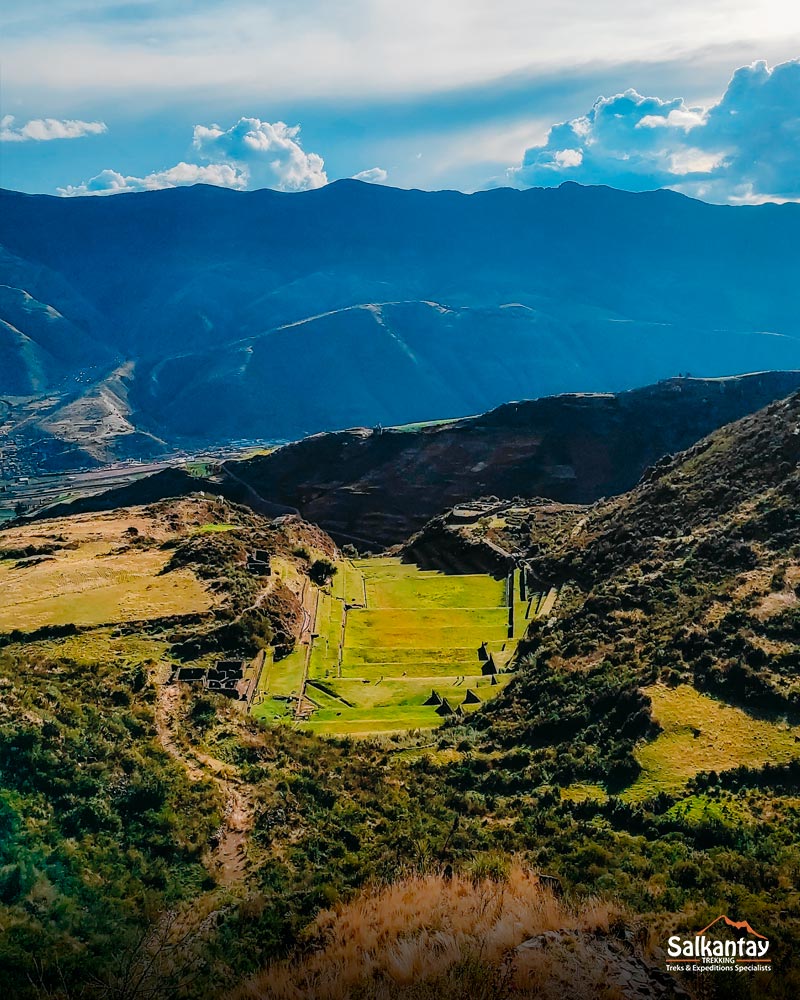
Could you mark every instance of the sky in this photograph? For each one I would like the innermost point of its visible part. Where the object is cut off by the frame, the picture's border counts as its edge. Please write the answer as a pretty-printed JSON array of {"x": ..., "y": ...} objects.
[{"x": 99, "y": 97}]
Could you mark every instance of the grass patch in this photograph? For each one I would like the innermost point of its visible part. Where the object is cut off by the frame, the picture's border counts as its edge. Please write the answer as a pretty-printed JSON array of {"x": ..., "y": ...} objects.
[
  {"x": 409, "y": 692},
  {"x": 703, "y": 734},
  {"x": 87, "y": 586},
  {"x": 699, "y": 810},
  {"x": 285, "y": 677},
  {"x": 371, "y": 722},
  {"x": 415, "y": 627},
  {"x": 435, "y": 592},
  {"x": 584, "y": 792},
  {"x": 100, "y": 645},
  {"x": 422, "y": 668},
  {"x": 272, "y": 710}
]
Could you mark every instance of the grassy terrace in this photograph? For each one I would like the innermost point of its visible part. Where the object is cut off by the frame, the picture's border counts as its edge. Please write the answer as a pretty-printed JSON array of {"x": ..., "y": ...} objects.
[
  {"x": 388, "y": 634},
  {"x": 92, "y": 577}
]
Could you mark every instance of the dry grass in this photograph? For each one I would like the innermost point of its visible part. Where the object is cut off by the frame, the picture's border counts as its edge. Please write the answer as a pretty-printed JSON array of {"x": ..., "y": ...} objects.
[
  {"x": 95, "y": 576},
  {"x": 455, "y": 933}
]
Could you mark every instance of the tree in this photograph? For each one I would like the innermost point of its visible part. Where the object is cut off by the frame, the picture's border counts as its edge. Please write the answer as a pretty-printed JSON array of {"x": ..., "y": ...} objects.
[{"x": 321, "y": 571}]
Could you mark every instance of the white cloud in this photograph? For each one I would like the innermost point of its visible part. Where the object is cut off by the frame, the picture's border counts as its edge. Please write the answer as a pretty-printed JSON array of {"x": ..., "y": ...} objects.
[
  {"x": 250, "y": 154},
  {"x": 44, "y": 129},
  {"x": 375, "y": 175},
  {"x": 743, "y": 149},
  {"x": 270, "y": 155},
  {"x": 685, "y": 118},
  {"x": 694, "y": 161},
  {"x": 568, "y": 158},
  {"x": 111, "y": 182}
]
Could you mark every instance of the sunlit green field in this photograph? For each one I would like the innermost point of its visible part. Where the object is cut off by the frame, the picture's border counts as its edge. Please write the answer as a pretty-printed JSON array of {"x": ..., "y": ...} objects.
[
  {"x": 397, "y": 588},
  {"x": 703, "y": 734},
  {"x": 387, "y": 638},
  {"x": 388, "y": 635},
  {"x": 93, "y": 579},
  {"x": 279, "y": 682}
]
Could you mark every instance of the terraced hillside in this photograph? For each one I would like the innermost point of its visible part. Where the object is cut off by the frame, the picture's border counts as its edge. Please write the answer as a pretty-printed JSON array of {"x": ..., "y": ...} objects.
[{"x": 397, "y": 648}]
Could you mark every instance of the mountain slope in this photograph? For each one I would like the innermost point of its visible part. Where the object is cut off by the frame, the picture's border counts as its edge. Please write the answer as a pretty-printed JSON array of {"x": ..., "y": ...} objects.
[
  {"x": 692, "y": 575},
  {"x": 377, "y": 487},
  {"x": 383, "y": 485},
  {"x": 268, "y": 315}
]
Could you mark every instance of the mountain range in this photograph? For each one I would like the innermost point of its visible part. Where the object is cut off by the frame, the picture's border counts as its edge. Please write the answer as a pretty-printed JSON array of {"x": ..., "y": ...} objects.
[{"x": 201, "y": 314}]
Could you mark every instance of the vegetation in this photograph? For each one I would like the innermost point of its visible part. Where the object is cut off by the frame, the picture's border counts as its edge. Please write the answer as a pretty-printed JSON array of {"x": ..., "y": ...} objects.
[
  {"x": 389, "y": 636},
  {"x": 700, "y": 733},
  {"x": 643, "y": 752},
  {"x": 94, "y": 573},
  {"x": 428, "y": 936}
]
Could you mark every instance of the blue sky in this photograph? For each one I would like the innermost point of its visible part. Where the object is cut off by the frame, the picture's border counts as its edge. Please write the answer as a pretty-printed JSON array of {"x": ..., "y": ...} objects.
[{"x": 100, "y": 96}]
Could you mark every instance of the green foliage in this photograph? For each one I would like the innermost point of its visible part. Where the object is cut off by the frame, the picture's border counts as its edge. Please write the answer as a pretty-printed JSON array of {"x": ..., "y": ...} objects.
[
  {"x": 321, "y": 571},
  {"x": 93, "y": 818}
]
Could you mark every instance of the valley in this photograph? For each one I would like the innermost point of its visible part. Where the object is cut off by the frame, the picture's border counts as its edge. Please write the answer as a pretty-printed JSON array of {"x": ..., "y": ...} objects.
[
  {"x": 399, "y": 500},
  {"x": 174, "y": 320}
]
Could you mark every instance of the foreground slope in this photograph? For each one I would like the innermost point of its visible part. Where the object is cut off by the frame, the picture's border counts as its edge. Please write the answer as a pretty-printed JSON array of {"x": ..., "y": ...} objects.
[{"x": 430, "y": 936}]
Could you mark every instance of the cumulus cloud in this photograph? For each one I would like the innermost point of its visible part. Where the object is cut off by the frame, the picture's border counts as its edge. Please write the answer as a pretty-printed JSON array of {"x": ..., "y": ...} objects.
[
  {"x": 743, "y": 149},
  {"x": 111, "y": 182},
  {"x": 250, "y": 154},
  {"x": 44, "y": 129},
  {"x": 270, "y": 155},
  {"x": 375, "y": 175}
]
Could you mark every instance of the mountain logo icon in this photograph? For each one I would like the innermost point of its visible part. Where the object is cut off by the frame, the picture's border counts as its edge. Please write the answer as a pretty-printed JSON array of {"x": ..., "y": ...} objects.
[{"x": 739, "y": 925}]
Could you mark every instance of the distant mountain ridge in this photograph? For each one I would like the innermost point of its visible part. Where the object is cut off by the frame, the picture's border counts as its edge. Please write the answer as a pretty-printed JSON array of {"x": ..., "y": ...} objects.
[{"x": 264, "y": 315}]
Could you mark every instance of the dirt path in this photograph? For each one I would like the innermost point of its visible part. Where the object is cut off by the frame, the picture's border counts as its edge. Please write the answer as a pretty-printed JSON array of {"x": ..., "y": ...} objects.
[{"x": 227, "y": 858}]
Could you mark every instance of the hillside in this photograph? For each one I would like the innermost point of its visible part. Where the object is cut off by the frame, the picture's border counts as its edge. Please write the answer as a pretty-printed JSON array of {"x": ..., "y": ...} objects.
[
  {"x": 272, "y": 316},
  {"x": 693, "y": 575},
  {"x": 383, "y": 485},
  {"x": 376, "y": 487},
  {"x": 641, "y": 751}
]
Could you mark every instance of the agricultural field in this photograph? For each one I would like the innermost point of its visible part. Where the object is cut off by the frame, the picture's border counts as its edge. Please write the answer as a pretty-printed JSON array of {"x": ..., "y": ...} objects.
[
  {"x": 703, "y": 734},
  {"x": 280, "y": 685},
  {"x": 397, "y": 648}
]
